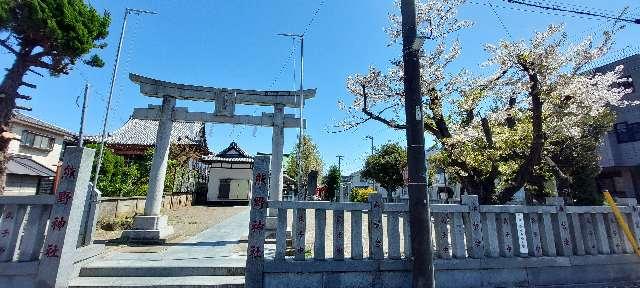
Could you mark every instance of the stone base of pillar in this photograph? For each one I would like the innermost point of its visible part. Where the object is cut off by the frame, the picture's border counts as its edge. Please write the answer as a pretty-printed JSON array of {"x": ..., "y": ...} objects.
[
  {"x": 271, "y": 226},
  {"x": 148, "y": 229}
]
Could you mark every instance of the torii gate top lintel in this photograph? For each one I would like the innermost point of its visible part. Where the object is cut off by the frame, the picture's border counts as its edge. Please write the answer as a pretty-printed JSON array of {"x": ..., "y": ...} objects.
[
  {"x": 225, "y": 102},
  {"x": 158, "y": 88}
]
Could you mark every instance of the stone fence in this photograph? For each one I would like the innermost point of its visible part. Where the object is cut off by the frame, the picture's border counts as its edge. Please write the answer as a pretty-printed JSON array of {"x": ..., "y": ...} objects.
[
  {"x": 42, "y": 237},
  {"x": 474, "y": 245},
  {"x": 114, "y": 207}
]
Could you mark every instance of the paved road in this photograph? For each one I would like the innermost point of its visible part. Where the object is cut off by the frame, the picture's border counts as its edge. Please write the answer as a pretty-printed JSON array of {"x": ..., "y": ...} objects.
[{"x": 217, "y": 242}]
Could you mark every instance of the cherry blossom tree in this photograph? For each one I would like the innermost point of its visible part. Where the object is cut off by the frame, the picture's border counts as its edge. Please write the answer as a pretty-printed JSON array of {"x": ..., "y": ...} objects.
[{"x": 495, "y": 132}]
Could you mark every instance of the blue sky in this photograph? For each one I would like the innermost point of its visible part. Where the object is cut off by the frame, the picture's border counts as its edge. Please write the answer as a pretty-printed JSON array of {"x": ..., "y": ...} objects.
[{"x": 234, "y": 44}]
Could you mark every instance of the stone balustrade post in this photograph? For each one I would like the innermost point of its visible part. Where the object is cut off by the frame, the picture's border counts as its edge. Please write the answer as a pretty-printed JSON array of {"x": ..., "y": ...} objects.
[
  {"x": 564, "y": 244},
  {"x": 376, "y": 236},
  {"x": 473, "y": 225}
]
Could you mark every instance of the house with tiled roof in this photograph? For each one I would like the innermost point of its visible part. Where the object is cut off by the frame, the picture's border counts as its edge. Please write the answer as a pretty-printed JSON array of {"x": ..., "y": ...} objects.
[
  {"x": 230, "y": 173},
  {"x": 34, "y": 155},
  {"x": 136, "y": 136}
]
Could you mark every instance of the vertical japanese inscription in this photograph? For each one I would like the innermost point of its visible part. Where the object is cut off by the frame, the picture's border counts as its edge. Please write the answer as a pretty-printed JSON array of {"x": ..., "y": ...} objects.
[
  {"x": 257, "y": 222},
  {"x": 56, "y": 263},
  {"x": 375, "y": 235}
]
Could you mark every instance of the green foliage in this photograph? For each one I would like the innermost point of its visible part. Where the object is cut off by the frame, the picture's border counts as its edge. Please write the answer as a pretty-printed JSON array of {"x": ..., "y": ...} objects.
[
  {"x": 116, "y": 224},
  {"x": 130, "y": 178},
  {"x": 332, "y": 183},
  {"x": 95, "y": 61},
  {"x": 385, "y": 167},
  {"x": 361, "y": 194},
  {"x": 64, "y": 30},
  {"x": 118, "y": 178},
  {"x": 310, "y": 160}
]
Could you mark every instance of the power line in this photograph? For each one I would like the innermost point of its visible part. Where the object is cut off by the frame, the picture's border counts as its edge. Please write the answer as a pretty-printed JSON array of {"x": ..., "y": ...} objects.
[
  {"x": 567, "y": 6},
  {"x": 504, "y": 27},
  {"x": 575, "y": 11},
  {"x": 547, "y": 12},
  {"x": 306, "y": 30}
]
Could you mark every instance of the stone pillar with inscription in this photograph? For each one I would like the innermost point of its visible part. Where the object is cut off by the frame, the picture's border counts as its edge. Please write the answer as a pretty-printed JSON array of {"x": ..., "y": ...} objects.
[
  {"x": 257, "y": 222},
  {"x": 153, "y": 227},
  {"x": 58, "y": 254}
]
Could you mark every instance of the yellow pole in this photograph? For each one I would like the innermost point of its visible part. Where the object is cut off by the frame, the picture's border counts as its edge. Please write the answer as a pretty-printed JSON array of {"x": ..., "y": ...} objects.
[{"x": 621, "y": 222}]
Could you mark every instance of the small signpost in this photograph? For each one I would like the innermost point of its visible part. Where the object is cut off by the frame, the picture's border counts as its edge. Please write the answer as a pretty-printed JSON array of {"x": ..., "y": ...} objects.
[{"x": 522, "y": 235}]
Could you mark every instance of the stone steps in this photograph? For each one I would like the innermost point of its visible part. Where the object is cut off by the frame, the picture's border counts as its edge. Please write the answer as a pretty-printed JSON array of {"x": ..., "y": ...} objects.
[
  {"x": 164, "y": 282},
  {"x": 162, "y": 273},
  {"x": 169, "y": 268}
]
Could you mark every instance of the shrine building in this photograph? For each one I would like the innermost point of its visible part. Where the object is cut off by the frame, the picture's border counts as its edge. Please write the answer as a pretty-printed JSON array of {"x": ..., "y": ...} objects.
[
  {"x": 230, "y": 173},
  {"x": 136, "y": 136}
]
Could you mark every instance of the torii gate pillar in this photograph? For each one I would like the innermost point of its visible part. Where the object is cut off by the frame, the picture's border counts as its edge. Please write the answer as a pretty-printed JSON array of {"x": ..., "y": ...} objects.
[
  {"x": 277, "y": 143},
  {"x": 152, "y": 226}
]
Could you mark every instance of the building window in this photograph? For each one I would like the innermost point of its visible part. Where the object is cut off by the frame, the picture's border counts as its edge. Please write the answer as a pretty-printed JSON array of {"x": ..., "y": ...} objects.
[
  {"x": 626, "y": 84},
  {"x": 38, "y": 141}
]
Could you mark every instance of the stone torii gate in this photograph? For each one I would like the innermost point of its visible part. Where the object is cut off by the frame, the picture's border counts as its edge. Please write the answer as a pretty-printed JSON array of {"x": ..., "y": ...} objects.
[{"x": 152, "y": 226}]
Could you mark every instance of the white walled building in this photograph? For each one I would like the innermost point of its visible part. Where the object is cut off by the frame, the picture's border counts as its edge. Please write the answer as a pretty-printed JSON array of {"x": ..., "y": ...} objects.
[
  {"x": 230, "y": 175},
  {"x": 35, "y": 155}
]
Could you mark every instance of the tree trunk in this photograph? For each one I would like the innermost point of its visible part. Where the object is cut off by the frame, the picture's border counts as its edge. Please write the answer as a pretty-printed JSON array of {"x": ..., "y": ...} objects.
[
  {"x": 8, "y": 94},
  {"x": 535, "y": 151}
]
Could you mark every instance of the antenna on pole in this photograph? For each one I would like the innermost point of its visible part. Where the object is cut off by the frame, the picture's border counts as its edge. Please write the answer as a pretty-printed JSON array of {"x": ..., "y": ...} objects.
[
  {"x": 301, "y": 136},
  {"x": 127, "y": 11}
]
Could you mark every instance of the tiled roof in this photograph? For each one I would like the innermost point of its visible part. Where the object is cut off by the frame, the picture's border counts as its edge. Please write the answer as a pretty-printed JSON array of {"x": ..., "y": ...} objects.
[
  {"x": 211, "y": 158},
  {"x": 143, "y": 132},
  {"x": 37, "y": 122},
  {"x": 231, "y": 154},
  {"x": 24, "y": 165}
]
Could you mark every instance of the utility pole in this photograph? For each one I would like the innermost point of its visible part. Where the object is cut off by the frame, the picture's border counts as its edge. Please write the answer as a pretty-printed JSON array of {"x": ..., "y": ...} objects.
[
  {"x": 370, "y": 137},
  {"x": 340, "y": 193},
  {"x": 419, "y": 216},
  {"x": 372, "y": 150},
  {"x": 127, "y": 11},
  {"x": 84, "y": 110},
  {"x": 301, "y": 136}
]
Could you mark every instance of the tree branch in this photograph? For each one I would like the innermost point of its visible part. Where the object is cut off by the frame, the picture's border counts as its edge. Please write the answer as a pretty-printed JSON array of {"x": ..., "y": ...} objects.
[
  {"x": 511, "y": 121},
  {"x": 32, "y": 86},
  {"x": 41, "y": 64},
  {"x": 25, "y": 97},
  {"x": 6, "y": 45},
  {"x": 438, "y": 118},
  {"x": 486, "y": 130},
  {"x": 36, "y": 72},
  {"x": 378, "y": 117},
  {"x": 563, "y": 181}
]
